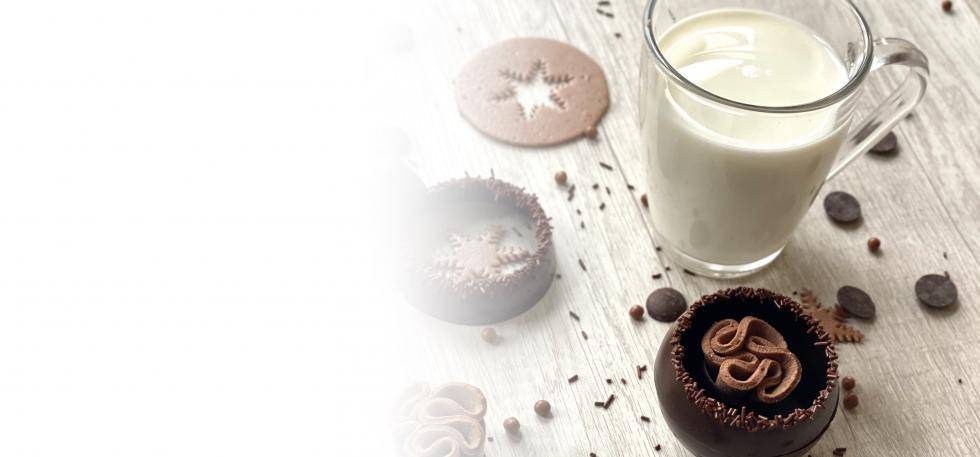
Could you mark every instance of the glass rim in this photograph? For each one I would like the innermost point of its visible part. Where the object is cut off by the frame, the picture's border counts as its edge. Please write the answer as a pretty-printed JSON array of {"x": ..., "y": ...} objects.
[{"x": 846, "y": 90}]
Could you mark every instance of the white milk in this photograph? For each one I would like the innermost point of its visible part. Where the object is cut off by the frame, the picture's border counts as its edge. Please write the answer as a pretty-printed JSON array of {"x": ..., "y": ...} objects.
[{"x": 729, "y": 186}]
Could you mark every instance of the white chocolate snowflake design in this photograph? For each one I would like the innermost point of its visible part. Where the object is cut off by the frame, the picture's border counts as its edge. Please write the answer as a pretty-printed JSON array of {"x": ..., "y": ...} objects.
[
  {"x": 534, "y": 89},
  {"x": 474, "y": 258}
]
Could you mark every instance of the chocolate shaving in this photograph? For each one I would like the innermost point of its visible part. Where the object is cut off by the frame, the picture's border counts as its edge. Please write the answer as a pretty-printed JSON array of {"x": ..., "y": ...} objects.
[
  {"x": 719, "y": 410},
  {"x": 751, "y": 355}
]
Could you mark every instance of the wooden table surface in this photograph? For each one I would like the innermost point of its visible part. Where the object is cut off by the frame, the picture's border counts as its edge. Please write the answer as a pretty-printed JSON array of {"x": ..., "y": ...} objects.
[{"x": 922, "y": 203}]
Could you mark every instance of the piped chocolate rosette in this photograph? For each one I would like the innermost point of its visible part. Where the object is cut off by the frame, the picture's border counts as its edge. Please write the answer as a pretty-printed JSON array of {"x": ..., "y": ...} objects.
[
  {"x": 750, "y": 355},
  {"x": 446, "y": 421}
]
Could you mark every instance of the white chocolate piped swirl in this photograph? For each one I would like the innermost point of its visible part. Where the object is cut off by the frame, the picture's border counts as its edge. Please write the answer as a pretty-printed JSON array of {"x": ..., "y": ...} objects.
[{"x": 443, "y": 422}]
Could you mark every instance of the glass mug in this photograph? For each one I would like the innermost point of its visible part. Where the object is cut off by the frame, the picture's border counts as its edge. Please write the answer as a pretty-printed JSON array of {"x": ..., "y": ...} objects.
[{"x": 731, "y": 179}]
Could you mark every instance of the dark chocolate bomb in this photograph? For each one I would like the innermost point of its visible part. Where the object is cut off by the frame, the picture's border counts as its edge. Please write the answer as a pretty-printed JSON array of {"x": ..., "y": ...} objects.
[
  {"x": 711, "y": 423},
  {"x": 481, "y": 252}
]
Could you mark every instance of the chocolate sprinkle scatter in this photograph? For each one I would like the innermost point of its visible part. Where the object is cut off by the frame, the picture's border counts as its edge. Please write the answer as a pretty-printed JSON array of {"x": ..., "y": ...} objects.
[
  {"x": 606, "y": 166},
  {"x": 571, "y": 192},
  {"x": 630, "y": 187},
  {"x": 856, "y": 302},
  {"x": 573, "y": 379},
  {"x": 608, "y": 191},
  {"x": 842, "y": 207},
  {"x": 595, "y": 186},
  {"x": 574, "y": 316},
  {"x": 604, "y": 3},
  {"x": 657, "y": 448},
  {"x": 666, "y": 304},
  {"x": 618, "y": 35},
  {"x": 839, "y": 452},
  {"x": 643, "y": 199},
  {"x": 690, "y": 272},
  {"x": 599, "y": 404},
  {"x": 582, "y": 264},
  {"x": 585, "y": 335},
  {"x": 609, "y": 401},
  {"x": 721, "y": 411},
  {"x": 602, "y": 206},
  {"x": 608, "y": 380},
  {"x": 622, "y": 380},
  {"x": 936, "y": 291},
  {"x": 658, "y": 248},
  {"x": 657, "y": 275},
  {"x": 582, "y": 224},
  {"x": 644, "y": 419},
  {"x": 640, "y": 370},
  {"x": 592, "y": 454}
]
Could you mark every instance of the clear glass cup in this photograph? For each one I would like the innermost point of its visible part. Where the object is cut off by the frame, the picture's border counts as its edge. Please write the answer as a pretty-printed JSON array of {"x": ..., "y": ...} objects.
[{"x": 722, "y": 205}]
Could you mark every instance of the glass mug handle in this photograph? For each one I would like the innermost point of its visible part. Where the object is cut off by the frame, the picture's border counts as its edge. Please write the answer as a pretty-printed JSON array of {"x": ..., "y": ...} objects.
[{"x": 888, "y": 51}]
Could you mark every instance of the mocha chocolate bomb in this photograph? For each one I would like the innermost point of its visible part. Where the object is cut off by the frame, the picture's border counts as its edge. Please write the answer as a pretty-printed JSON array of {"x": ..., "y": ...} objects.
[{"x": 745, "y": 372}]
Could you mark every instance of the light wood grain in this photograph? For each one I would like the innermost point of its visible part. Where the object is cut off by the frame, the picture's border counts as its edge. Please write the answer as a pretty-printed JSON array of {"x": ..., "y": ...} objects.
[{"x": 921, "y": 203}]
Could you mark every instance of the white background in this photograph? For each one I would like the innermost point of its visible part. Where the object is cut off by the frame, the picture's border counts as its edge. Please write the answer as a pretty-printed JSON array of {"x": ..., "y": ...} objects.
[{"x": 178, "y": 182}]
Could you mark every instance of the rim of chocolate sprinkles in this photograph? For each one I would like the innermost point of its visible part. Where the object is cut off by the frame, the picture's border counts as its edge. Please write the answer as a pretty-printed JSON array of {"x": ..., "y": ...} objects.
[
  {"x": 740, "y": 417},
  {"x": 507, "y": 193}
]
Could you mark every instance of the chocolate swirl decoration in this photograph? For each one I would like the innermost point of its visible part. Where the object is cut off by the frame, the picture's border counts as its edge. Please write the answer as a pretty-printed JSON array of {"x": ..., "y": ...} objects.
[
  {"x": 751, "y": 355},
  {"x": 443, "y": 422}
]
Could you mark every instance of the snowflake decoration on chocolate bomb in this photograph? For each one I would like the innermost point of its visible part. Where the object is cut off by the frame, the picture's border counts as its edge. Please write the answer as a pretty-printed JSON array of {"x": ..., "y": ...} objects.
[
  {"x": 474, "y": 258},
  {"x": 534, "y": 89}
]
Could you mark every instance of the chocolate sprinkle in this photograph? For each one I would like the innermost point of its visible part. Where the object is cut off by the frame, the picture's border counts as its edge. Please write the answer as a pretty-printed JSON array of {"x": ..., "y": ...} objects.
[
  {"x": 839, "y": 452},
  {"x": 606, "y": 166},
  {"x": 644, "y": 419},
  {"x": 720, "y": 411},
  {"x": 573, "y": 379},
  {"x": 936, "y": 291},
  {"x": 574, "y": 316},
  {"x": 657, "y": 275},
  {"x": 666, "y": 304},
  {"x": 585, "y": 335},
  {"x": 609, "y": 401},
  {"x": 856, "y": 302},
  {"x": 582, "y": 264},
  {"x": 842, "y": 207}
]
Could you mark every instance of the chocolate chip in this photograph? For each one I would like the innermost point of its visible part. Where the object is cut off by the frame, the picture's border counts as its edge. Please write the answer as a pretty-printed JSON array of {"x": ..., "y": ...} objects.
[
  {"x": 489, "y": 335},
  {"x": 561, "y": 178},
  {"x": 666, "y": 304},
  {"x": 636, "y": 313},
  {"x": 887, "y": 145},
  {"x": 542, "y": 408},
  {"x": 874, "y": 244},
  {"x": 856, "y": 302},
  {"x": 512, "y": 425},
  {"x": 842, "y": 207},
  {"x": 850, "y": 401},
  {"x": 937, "y": 291},
  {"x": 848, "y": 383}
]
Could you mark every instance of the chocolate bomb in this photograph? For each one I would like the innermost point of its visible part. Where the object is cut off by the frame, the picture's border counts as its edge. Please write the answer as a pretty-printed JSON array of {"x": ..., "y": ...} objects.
[
  {"x": 480, "y": 252},
  {"x": 711, "y": 423}
]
